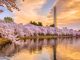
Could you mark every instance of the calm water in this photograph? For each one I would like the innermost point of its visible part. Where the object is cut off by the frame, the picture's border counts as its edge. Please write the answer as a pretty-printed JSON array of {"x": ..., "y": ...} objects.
[{"x": 43, "y": 49}]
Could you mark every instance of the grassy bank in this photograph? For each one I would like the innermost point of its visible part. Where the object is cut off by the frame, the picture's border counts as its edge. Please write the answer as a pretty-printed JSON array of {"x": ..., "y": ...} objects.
[
  {"x": 4, "y": 41},
  {"x": 47, "y": 37},
  {"x": 38, "y": 37},
  {"x": 44, "y": 37}
]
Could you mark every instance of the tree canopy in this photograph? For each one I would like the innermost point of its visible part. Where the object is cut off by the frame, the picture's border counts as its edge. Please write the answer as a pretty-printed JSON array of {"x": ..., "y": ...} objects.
[
  {"x": 8, "y": 19},
  {"x": 52, "y": 25},
  {"x": 37, "y": 24}
]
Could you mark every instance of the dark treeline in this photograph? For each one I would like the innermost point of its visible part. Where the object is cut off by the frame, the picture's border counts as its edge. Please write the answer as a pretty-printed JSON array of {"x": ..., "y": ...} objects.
[
  {"x": 35, "y": 23},
  {"x": 39, "y": 24},
  {"x": 10, "y": 19}
]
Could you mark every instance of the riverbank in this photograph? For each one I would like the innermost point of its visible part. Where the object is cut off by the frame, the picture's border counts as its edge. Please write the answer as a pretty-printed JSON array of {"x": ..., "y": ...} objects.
[
  {"x": 4, "y": 41},
  {"x": 48, "y": 37},
  {"x": 33, "y": 45}
]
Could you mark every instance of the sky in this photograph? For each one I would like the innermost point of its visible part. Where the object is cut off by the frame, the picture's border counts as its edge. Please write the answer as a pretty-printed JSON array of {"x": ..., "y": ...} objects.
[
  {"x": 5, "y": 13},
  {"x": 68, "y": 12}
]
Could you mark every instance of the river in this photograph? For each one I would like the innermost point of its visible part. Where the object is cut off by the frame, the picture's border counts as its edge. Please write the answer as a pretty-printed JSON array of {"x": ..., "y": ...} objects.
[{"x": 43, "y": 49}]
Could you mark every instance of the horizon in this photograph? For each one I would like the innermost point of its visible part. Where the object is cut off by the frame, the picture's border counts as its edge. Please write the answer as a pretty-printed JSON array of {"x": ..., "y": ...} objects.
[
  {"x": 67, "y": 12},
  {"x": 43, "y": 25}
]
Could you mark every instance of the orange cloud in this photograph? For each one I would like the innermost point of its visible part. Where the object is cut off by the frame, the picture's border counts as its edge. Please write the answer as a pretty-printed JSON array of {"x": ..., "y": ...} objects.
[
  {"x": 28, "y": 10},
  {"x": 68, "y": 12}
]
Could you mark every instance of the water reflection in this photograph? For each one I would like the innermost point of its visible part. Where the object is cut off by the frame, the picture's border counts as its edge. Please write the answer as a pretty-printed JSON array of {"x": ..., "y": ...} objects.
[
  {"x": 44, "y": 49},
  {"x": 68, "y": 49}
]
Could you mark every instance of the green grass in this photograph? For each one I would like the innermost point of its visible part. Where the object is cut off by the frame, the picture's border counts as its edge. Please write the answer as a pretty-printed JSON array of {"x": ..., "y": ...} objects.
[
  {"x": 45, "y": 37},
  {"x": 39, "y": 37}
]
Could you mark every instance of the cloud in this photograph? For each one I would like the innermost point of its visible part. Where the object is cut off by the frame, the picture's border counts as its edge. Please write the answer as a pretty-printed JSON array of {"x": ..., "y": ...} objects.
[
  {"x": 68, "y": 13},
  {"x": 28, "y": 10}
]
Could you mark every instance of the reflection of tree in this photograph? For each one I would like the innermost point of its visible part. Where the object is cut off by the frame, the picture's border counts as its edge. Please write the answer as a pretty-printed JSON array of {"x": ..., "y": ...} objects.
[{"x": 10, "y": 4}]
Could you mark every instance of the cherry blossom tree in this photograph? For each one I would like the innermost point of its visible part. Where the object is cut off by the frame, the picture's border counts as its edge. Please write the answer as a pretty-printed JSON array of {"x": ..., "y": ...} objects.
[{"x": 10, "y": 4}]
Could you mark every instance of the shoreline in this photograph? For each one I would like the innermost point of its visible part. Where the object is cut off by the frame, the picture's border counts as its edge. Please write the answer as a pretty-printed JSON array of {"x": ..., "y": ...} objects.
[
  {"x": 52, "y": 37},
  {"x": 4, "y": 41}
]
